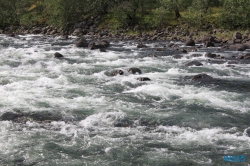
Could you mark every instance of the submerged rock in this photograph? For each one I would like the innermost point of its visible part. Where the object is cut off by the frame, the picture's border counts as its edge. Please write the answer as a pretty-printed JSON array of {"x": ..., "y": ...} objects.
[
  {"x": 202, "y": 77},
  {"x": 143, "y": 79},
  {"x": 193, "y": 63},
  {"x": 20, "y": 117},
  {"x": 11, "y": 116},
  {"x": 141, "y": 46}
]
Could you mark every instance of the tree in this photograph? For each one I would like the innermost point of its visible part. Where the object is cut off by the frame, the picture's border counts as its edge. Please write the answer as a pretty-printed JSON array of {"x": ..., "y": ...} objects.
[
  {"x": 62, "y": 12},
  {"x": 167, "y": 6},
  {"x": 8, "y": 14},
  {"x": 236, "y": 14}
]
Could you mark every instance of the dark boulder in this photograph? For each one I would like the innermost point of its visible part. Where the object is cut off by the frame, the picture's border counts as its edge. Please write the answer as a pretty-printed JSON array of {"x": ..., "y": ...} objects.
[
  {"x": 58, "y": 55},
  {"x": 210, "y": 55},
  {"x": 241, "y": 47},
  {"x": 246, "y": 56},
  {"x": 141, "y": 46},
  {"x": 208, "y": 44},
  {"x": 202, "y": 78},
  {"x": 103, "y": 43},
  {"x": 134, "y": 70},
  {"x": 190, "y": 42},
  {"x": 237, "y": 36},
  {"x": 177, "y": 56},
  {"x": 143, "y": 79},
  {"x": 102, "y": 50},
  {"x": 91, "y": 46},
  {"x": 11, "y": 116},
  {"x": 117, "y": 72},
  {"x": 193, "y": 63},
  {"x": 82, "y": 43},
  {"x": 45, "y": 116},
  {"x": 195, "y": 55},
  {"x": 77, "y": 31}
]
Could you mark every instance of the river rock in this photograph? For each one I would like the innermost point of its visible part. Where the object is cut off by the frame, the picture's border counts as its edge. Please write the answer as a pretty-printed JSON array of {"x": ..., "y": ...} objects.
[
  {"x": 117, "y": 72},
  {"x": 45, "y": 116},
  {"x": 103, "y": 44},
  {"x": 208, "y": 44},
  {"x": 58, "y": 55},
  {"x": 134, "y": 70},
  {"x": 210, "y": 55},
  {"x": 237, "y": 37},
  {"x": 193, "y": 63},
  {"x": 246, "y": 56},
  {"x": 82, "y": 43},
  {"x": 10, "y": 116},
  {"x": 177, "y": 56},
  {"x": 141, "y": 46},
  {"x": 143, "y": 79},
  {"x": 190, "y": 42},
  {"x": 202, "y": 78}
]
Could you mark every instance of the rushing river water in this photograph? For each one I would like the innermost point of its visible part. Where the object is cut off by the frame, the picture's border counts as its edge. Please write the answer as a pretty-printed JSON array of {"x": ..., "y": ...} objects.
[{"x": 97, "y": 119}]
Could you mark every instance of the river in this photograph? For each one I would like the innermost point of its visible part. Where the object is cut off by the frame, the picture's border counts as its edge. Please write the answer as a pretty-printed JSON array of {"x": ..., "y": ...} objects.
[{"x": 97, "y": 119}]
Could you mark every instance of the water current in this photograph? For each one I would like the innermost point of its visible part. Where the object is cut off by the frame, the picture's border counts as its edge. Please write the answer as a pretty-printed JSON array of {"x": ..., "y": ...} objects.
[{"x": 84, "y": 116}]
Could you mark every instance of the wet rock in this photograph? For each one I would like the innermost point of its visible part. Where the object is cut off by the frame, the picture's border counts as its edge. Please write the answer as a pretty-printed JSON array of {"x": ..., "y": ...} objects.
[
  {"x": 91, "y": 46},
  {"x": 77, "y": 31},
  {"x": 248, "y": 132},
  {"x": 205, "y": 39},
  {"x": 143, "y": 79},
  {"x": 58, "y": 55},
  {"x": 45, "y": 116},
  {"x": 202, "y": 78},
  {"x": 192, "y": 49},
  {"x": 102, "y": 50},
  {"x": 208, "y": 44},
  {"x": 246, "y": 56},
  {"x": 177, "y": 56},
  {"x": 160, "y": 49},
  {"x": 190, "y": 42},
  {"x": 124, "y": 123},
  {"x": 117, "y": 72},
  {"x": 171, "y": 45},
  {"x": 134, "y": 70},
  {"x": 210, "y": 55},
  {"x": 195, "y": 55},
  {"x": 183, "y": 50},
  {"x": 10, "y": 116},
  {"x": 230, "y": 66},
  {"x": 103, "y": 44},
  {"x": 82, "y": 43},
  {"x": 242, "y": 47},
  {"x": 193, "y": 63},
  {"x": 142, "y": 46}
]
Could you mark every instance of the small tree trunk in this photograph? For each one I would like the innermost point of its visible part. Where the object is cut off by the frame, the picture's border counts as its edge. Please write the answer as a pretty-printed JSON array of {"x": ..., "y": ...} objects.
[{"x": 177, "y": 13}]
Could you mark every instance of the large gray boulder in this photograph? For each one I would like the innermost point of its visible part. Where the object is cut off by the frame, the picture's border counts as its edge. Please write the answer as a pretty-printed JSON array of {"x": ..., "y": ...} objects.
[{"x": 82, "y": 43}]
